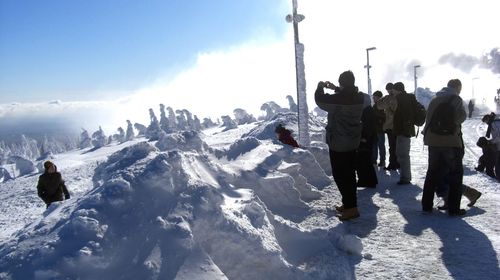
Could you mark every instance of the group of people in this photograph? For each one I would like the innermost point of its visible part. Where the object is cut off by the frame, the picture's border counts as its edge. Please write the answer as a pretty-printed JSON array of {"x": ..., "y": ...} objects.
[{"x": 356, "y": 131}]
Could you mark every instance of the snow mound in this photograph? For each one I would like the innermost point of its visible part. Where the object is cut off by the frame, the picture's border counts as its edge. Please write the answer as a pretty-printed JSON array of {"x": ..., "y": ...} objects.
[
  {"x": 22, "y": 166},
  {"x": 170, "y": 210}
]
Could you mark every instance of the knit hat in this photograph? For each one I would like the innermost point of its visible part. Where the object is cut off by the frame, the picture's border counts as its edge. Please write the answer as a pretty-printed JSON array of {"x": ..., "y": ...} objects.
[
  {"x": 346, "y": 79},
  {"x": 399, "y": 86},
  {"x": 47, "y": 164},
  {"x": 377, "y": 93}
]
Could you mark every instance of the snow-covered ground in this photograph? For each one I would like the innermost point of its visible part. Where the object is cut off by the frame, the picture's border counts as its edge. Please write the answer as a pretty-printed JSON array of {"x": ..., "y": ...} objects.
[{"x": 237, "y": 204}]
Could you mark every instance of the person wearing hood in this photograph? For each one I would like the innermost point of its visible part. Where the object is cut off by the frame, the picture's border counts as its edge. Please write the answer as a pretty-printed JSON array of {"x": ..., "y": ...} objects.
[
  {"x": 51, "y": 186},
  {"x": 343, "y": 135},
  {"x": 285, "y": 136},
  {"x": 446, "y": 150}
]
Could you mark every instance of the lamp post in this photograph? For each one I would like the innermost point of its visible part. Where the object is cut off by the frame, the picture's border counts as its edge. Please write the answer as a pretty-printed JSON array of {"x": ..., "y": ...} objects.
[
  {"x": 415, "y": 77},
  {"x": 367, "y": 66},
  {"x": 473, "y": 79},
  {"x": 302, "y": 111}
]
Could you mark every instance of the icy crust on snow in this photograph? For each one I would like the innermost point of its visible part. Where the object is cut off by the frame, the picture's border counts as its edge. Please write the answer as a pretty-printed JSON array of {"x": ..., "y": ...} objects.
[{"x": 172, "y": 209}]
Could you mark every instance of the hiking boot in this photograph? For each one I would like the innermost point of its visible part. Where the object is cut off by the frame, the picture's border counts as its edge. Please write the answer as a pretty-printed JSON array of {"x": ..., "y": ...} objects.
[
  {"x": 460, "y": 212},
  {"x": 472, "y": 195},
  {"x": 348, "y": 214},
  {"x": 340, "y": 208},
  {"x": 381, "y": 163}
]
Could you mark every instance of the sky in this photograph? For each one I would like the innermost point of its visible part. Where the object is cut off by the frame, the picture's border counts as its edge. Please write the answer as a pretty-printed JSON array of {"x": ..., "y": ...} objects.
[{"x": 72, "y": 59}]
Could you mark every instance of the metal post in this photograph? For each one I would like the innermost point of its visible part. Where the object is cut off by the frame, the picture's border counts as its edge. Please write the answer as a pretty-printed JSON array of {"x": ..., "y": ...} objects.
[
  {"x": 302, "y": 110},
  {"x": 415, "y": 77},
  {"x": 367, "y": 66}
]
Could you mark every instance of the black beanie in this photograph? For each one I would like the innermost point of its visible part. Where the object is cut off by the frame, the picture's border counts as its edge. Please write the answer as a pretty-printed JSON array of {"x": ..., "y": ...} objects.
[{"x": 346, "y": 79}]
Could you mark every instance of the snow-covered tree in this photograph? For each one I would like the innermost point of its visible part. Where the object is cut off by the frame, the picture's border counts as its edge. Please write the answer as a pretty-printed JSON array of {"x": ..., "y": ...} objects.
[
  {"x": 228, "y": 123},
  {"x": 207, "y": 123},
  {"x": 141, "y": 129},
  {"x": 271, "y": 109},
  {"x": 120, "y": 136},
  {"x": 99, "y": 139},
  {"x": 189, "y": 119},
  {"x": 85, "y": 140},
  {"x": 291, "y": 103},
  {"x": 181, "y": 120},
  {"x": 130, "y": 131},
  {"x": 153, "y": 130},
  {"x": 164, "y": 122},
  {"x": 242, "y": 117},
  {"x": 196, "y": 123},
  {"x": 172, "y": 119}
]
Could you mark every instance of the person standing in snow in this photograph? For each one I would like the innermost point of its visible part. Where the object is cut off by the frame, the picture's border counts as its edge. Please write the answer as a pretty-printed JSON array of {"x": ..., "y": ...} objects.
[
  {"x": 388, "y": 103},
  {"x": 379, "y": 143},
  {"x": 446, "y": 151},
  {"x": 285, "y": 136},
  {"x": 493, "y": 132},
  {"x": 471, "y": 108},
  {"x": 364, "y": 168},
  {"x": 403, "y": 129},
  {"x": 51, "y": 186},
  {"x": 343, "y": 135}
]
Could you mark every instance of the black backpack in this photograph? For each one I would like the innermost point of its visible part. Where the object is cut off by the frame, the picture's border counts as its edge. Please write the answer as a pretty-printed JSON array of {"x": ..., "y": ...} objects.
[
  {"x": 443, "y": 119},
  {"x": 419, "y": 113}
]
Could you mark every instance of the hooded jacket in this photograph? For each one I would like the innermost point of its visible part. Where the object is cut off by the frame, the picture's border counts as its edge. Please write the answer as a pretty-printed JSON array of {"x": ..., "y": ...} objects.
[
  {"x": 51, "y": 187},
  {"x": 343, "y": 131},
  {"x": 455, "y": 139}
]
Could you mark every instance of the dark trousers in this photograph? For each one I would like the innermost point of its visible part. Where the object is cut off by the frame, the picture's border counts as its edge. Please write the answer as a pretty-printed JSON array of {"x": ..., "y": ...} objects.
[
  {"x": 445, "y": 163},
  {"x": 364, "y": 167},
  {"x": 393, "y": 160},
  {"x": 486, "y": 166},
  {"x": 497, "y": 166},
  {"x": 343, "y": 170}
]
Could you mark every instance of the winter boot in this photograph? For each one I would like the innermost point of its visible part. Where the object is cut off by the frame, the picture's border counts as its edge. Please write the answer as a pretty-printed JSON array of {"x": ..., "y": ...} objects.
[
  {"x": 349, "y": 214},
  {"x": 472, "y": 195}
]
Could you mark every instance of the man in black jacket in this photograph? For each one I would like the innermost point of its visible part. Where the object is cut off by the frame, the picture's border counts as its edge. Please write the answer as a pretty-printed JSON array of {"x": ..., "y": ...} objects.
[
  {"x": 343, "y": 135},
  {"x": 51, "y": 186},
  {"x": 404, "y": 129}
]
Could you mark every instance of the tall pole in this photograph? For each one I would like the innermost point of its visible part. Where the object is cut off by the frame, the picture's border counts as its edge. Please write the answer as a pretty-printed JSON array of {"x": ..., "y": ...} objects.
[
  {"x": 367, "y": 66},
  {"x": 415, "y": 77},
  {"x": 473, "y": 79},
  {"x": 302, "y": 110}
]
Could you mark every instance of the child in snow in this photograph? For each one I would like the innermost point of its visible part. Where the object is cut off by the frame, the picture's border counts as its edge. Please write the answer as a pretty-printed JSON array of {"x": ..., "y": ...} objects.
[
  {"x": 51, "y": 186},
  {"x": 488, "y": 160},
  {"x": 285, "y": 136}
]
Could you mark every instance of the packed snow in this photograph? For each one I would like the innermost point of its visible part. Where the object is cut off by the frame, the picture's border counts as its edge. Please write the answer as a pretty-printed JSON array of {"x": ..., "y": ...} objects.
[{"x": 231, "y": 202}]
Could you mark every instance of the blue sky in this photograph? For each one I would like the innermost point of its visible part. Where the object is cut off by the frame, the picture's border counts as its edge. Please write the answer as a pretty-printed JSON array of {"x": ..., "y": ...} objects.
[
  {"x": 82, "y": 50},
  {"x": 108, "y": 61}
]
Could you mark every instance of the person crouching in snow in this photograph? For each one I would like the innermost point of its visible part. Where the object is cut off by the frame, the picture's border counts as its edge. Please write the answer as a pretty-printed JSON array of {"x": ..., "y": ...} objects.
[
  {"x": 285, "y": 136},
  {"x": 51, "y": 186},
  {"x": 488, "y": 160}
]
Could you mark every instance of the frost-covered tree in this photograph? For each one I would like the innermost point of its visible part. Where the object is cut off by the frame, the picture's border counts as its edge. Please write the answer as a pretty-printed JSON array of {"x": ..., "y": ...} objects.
[
  {"x": 196, "y": 123},
  {"x": 291, "y": 104},
  {"x": 228, "y": 123},
  {"x": 85, "y": 140},
  {"x": 153, "y": 130},
  {"x": 99, "y": 139},
  {"x": 271, "y": 109},
  {"x": 130, "y": 131},
  {"x": 242, "y": 117},
  {"x": 164, "y": 122},
  {"x": 207, "y": 123},
  {"x": 181, "y": 120},
  {"x": 141, "y": 129},
  {"x": 28, "y": 148},
  {"x": 189, "y": 119},
  {"x": 172, "y": 119},
  {"x": 120, "y": 136}
]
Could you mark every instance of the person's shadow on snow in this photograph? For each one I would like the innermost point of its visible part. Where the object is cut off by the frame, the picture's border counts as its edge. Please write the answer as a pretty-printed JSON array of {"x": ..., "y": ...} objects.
[{"x": 467, "y": 253}]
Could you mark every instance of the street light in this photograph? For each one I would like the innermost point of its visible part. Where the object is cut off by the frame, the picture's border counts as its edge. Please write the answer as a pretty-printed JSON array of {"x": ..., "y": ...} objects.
[
  {"x": 415, "y": 77},
  {"x": 302, "y": 111},
  {"x": 473, "y": 79},
  {"x": 367, "y": 66}
]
